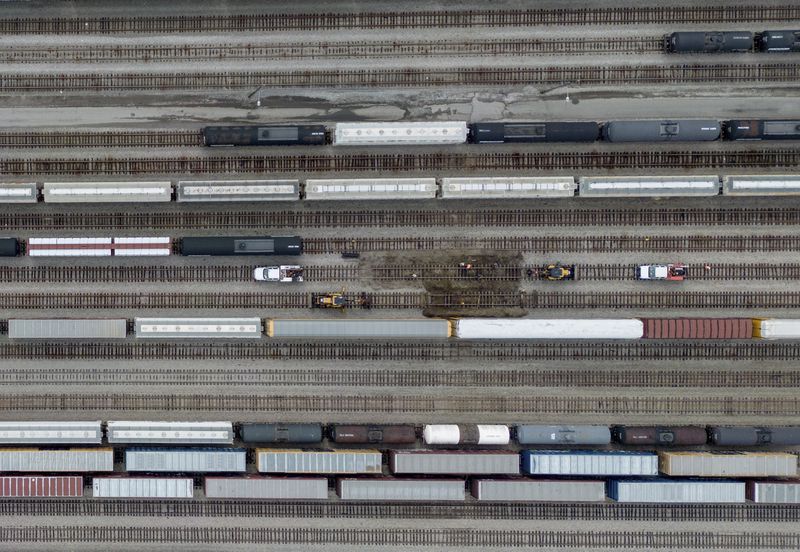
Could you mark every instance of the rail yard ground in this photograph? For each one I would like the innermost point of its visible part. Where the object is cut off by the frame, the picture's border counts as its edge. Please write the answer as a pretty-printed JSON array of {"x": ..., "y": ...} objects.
[{"x": 97, "y": 91}]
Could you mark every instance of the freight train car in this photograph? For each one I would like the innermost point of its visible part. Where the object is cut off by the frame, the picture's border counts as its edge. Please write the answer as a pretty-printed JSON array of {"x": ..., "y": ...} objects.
[
  {"x": 695, "y": 130},
  {"x": 760, "y": 129},
  {"x": 649, "y": 186},
  {"x": 709, "y": 41},
  {"x": 186, "y": 460},
  {"x": 171, "y": 433},
  {"x": 197, "y": 328},
  {"x": 389, "y": 134},
  {"x": 281, "y": 433},
  {"x": 508, "y": 187},
  {"x": 9, "y": 247},
  {"x": 529, "y": 490},
  {"x": 142, "y": 487},
  {"x": 67, "y": 328},
  {"x": 41, "y": 486},
  {"x": 780, "y": 41},
  {"x": 670, "y": 491},
  {"x": 774, "y": 492},
  {"x": 563, "y": 435},
  {"x": 454, "y": 462},
  {"x": 362, "y": 461},
  {"x": 660, "y": 436},
  {"x": 237, "y": 190},
  {"x": 51, "y": 433},
  {"x": 728, "y": 464},
  {"x": 531, "y": 133},
  {"x": 465, "y": 434},
  {"x": 501, "y": 328},
  {"x": 698, "y": 328},
  {"x": 589, "y": 462},
  {"x": 19, "y": 192},
  {"x": 370, "y": 188},
  {"x": 386, "y": 489},
  {"x": 748, "y": 436},
  {"x": 72, "y": 460},
  {"x": 363, "y": 434},
  {"x": 244, "y": 245},
  {"x": 257, "y": 135},
  {"x": 99, "y": 247},
  {"x": 107, "y": 192},
  {"x": 761, "y": 185}
]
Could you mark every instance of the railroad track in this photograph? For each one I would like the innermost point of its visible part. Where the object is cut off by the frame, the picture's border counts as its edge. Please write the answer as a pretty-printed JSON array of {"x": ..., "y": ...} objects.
[
  {"x": 61, "y": 274},
  {"x": 271, "y": 349},
  {"x": 100, "y": 139},
  {"x": 386, "y": 218},
  {"x": 460, "y": 537},
  {"x": 710, "y": 406},
  {"x": 455, "y": 301},
  {"x": 101, "y": 53},
  {"x": 629, "y": 15},
  {"x": 611, "y": 511},
  {"x": 751, "y": 157},
  {"x": 547, "y": 76},
  {"x": 618, "y": 377}
]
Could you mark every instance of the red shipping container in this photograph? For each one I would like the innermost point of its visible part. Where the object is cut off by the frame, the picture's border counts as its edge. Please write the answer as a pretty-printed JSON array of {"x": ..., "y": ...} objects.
[
  {"x": 20, "y": 486},
  {"x": 698, "y": 328}
]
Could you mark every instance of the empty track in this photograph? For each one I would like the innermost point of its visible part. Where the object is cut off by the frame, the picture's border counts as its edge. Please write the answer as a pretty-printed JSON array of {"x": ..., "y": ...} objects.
[
  {"x": 629, "y": 15},
  {"x": 446, "y": 216},
  {"x": 732, "y": 156},
  {"x": 548, "y": 76},
  {"x": 398, "y": 377},
  {"x": 397, "y": 350},
  {"x": 610, "y": 511}
]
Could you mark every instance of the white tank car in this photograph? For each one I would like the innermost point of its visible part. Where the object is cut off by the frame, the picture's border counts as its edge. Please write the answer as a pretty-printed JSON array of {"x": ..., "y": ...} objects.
[{"x": 466, "y": 434}]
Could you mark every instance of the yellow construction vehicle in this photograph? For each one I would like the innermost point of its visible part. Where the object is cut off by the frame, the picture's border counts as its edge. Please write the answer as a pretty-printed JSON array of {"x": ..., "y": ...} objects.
[{"x": 335, "y": 300}]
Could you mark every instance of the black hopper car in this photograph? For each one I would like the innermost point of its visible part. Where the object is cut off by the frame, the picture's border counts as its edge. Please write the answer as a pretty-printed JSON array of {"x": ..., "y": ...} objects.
[
  {"x": 512, "y": 133},
  {"x": 284, "y": 135},
  {"x": 247, "y": 245}
]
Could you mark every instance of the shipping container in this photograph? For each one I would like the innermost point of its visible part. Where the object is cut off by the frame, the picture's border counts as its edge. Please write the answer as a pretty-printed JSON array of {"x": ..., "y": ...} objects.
[
  {"x": 58, "y": 460},
  {"x": 563, "y": 435},
  {"x": 698, "y": 328},
  {"x": 51, "y": 433},
  {"x": 776, "y": 328},
  {"x": 502, "y": 328},
  {"x": 175, "y": 433},
  {"x": 370, "y": 188},
  {"x": 186, "y": 460},
  {"x": 663, "y": 491},
  {"x": 107, "y": 192},
  {"x": 422, "y": 328},
  {"x": 386, "y": 434},
  {"x": 202, "y": 328},
  {"x": 466, "y": 434},
  {"x": 67, "y": 328},
  {"x": 774, "y": 492},
  {"x": 508, "y": 187},
  {"x": 319, "y": 461},
  {"x": 281, "y": 433},
  {"x": 728, "y": 464},
  {"x": 391, "y": 489},
  {"x": 19, "y": 192},
  {"x": 142, "y": 487},
  {"x": 589, "y": 462},
  {"x": 649, "y": 186},
  {"x": 99, "y": 247},
  {"x": 454, "y": 462},
  {"x": 663, "y": 436},
  {"x": 756, "y": 185},
  {"x": 538, "y": 490},
  {"x": 386, "y": 134},
  {"x": 41, "y": 486},
  {"x": 268, "y": 488},
  {"x": 238, "y": 190}
]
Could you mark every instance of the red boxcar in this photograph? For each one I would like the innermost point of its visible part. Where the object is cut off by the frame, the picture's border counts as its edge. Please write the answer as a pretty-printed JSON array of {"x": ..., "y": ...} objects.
[
  {"x": 698, "y": 328},
  {"x": 20, "y": 486}
]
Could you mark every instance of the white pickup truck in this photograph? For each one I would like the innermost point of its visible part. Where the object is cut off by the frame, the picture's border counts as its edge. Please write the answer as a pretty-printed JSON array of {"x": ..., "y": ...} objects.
[{"x": 283, "y": 273}]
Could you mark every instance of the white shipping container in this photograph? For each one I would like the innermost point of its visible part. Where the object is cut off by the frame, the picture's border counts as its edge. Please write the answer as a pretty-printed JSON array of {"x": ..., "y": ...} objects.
[
  {"x": 142, "y": 487},
  {"x": 595, "y": 328},
  {"x": 665, "y": 491},
  {"x": 557, "y": 462}
]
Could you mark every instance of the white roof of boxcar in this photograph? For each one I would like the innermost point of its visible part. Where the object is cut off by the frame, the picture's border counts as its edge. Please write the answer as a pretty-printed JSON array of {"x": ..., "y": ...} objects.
[
  {"x": 67, "y": 328},
  {"x": 170, "y": 432},
  {"x": 500, "y": 186},
  {"x": 98, "y": 192},
  {"x": 142, "y": 487},
  {"x": 238, "y": 190},
  {"x": 780, "y": 328},
  {"x": 762, "y": 185},
  {"x": 371, "y": 188},
  {"x": 51, "y": 432},
  {"x": 595, "y": 328},
  {"x": 198, "y": 327},
  {"x": 443, "y": 132},
  {"x": 649, "y": 185},
  {"x": 18, "y": 192}
]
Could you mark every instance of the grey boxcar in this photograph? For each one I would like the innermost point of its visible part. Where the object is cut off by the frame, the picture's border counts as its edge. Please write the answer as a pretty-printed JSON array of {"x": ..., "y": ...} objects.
[
  {"x": 272, "y": 488},
  {"x": 185, "y": 460},
  {"x": 281, "y": 433},
  {"x": 66, "y": 328},
  {"x": 563, "y": 435},
  {"x": 319, "y": 461},
  {"x": 63, "y": 460},
  {"x": 454, "y": 462},
  {"x": 528, "y": 490},
  {"x": 390, "y": 488}
]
